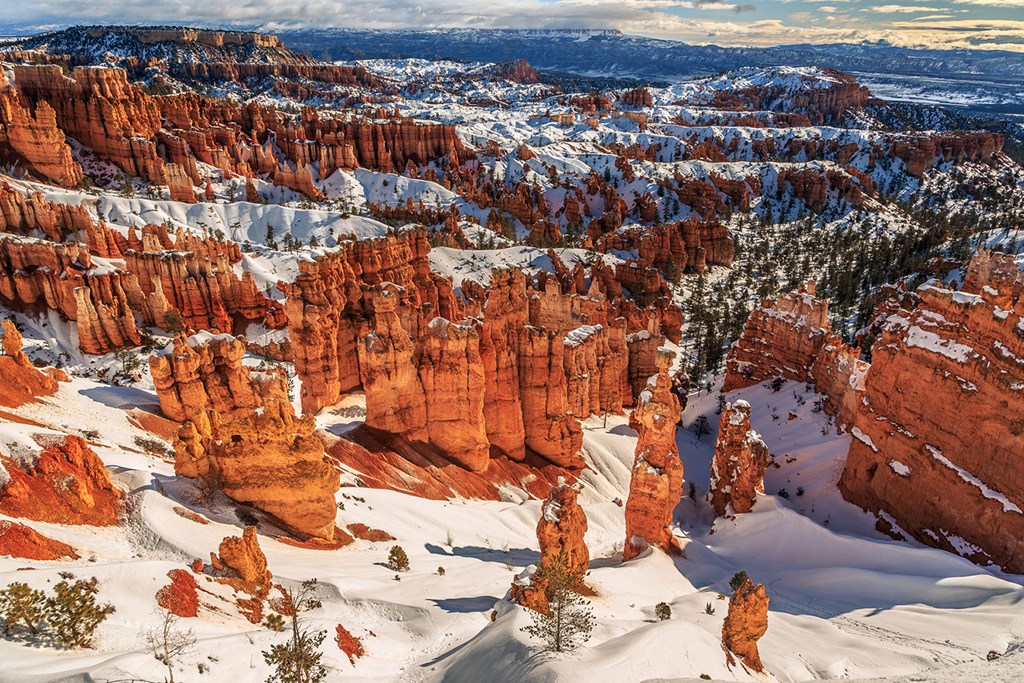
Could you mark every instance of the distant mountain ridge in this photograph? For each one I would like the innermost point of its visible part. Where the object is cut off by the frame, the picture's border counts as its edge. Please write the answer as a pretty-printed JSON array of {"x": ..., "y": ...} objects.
[{"x": 981, "y": 80}]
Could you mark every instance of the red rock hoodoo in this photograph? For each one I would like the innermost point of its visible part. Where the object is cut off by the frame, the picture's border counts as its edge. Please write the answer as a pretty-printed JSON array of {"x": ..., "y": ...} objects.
[
  {"x": 745, "y": 623},
  {"x": 741, "y": 458},
  {"x": 657, "y": 480},
  {"x": 561, "y": 529}
]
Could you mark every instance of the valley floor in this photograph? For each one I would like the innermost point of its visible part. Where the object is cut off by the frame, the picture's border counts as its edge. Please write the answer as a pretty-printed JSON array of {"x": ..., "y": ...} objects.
[{"x": 846, "y": 602}]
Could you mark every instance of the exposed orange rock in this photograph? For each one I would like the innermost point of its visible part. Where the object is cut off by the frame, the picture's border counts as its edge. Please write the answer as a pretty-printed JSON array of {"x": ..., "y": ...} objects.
[
  {"x": 656, "y": 484},
  {"x": 348, "y": 643},
  {"x": 22, "y": 213},
  {"x": 745, "y": 623},
  {"x": 561, "y": 529},
  {"x": 938, "y": 443},
  {"x": 65, "y": 484},
  {"x": 550, "y": 429},
  {"x": 180, "y": 596},
  {"x": 34, "y": 138},
  {"x": 21, "y": 380},
  {"x": 18, "y": 540},
  {"x": 780, "y": 338},
  {"x": 741, "y": 458},
  {"x": 241, "y": 557},
  {"x": 205, "y": 372},
  {"x": 62, "y": 277},
  {"x": 268, "y": 459}
]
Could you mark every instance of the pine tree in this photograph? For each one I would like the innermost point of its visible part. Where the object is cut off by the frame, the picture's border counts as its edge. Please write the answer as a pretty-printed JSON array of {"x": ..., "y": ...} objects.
[
  {"x": 569, "y": 620},
  {"x": 298, "y": 660},
  {"x": 73, "y": 612},
  {"x": 22, "y": 605}
]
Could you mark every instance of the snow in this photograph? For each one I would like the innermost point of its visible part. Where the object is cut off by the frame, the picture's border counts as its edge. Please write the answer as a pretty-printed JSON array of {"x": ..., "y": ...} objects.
[
  {"x": 846, "y": 601},
  {"x": 899, "y": 468},
  {"x": 930, "y": 341},
  {"x": 986, "y": 490}
]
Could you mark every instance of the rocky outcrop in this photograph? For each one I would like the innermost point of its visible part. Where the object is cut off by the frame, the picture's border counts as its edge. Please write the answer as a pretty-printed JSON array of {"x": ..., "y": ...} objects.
[
  {"x": 739, "y": 464},
  {"x": 205, "y": 372},
  {"x": 560, "y": 532},
  {"x": 938, "y": 441},
  {"x": 637, "y": 97},
  {"x": 241, "y": 557},
  {"x": 65, "y": 483},
  {"x": 22, "y": 213},
  {"x": 33, "y": 138},
  {"x": 20, "y": 541},
  {"x": 181, "y": 596},
  {"x": 22, "y": 382},
  {"x": 268, "y": 459},
  {"x": 656, "y": 483},
  {"x": 745, "y": 623},
  {"x": 780, "y": 339},
  {"x": 63, "y": 277}
]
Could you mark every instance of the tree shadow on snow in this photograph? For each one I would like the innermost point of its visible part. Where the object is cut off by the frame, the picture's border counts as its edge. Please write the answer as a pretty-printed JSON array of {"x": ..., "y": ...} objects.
[
  {"x": 481, "y": 603},
  {"x": 519, "y": 557}
]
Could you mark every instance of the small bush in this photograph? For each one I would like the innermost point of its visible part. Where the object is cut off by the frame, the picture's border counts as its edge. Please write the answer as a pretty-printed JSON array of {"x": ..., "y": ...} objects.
[
  {"x": 73, "y": 613},
  {"x": 708, "y": 609},
  {"x": 440, "y": 571},
  {"x": 21, "y": 605},
  {"x": 274, "y": 622},
  {"x": 397, "y": 559},
  {"x": 776, "y": 384},
  {"x": 738, "y": 579},
  {"x": 662, "y": 611},
  {"x": 783, "y": 493}
]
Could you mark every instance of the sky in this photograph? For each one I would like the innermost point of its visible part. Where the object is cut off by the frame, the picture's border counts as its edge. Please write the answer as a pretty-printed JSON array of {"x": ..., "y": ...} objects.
[{"x": 985, "y": 24}]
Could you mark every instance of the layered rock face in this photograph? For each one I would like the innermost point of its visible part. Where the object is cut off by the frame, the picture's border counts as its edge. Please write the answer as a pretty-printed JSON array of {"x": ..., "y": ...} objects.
[
  {"x": 691, "y": 244},
  {"x": 741, "y": 458},
  {"x": 745, "y": 623},
  {"x": 657, "y": 480},
  {"x": 205, "y": 372},
  {"x": 513, "y": 378},
  {"x": 268, "y": 459},
  {"x": 63, "y": 277},
  {"x": 780, "y": 338},
  {"x": 938, "y": 440},
  {"x": 65, "y": 484},
  {"x": 34, "y": 138},
  {"x": 792, "y": 338},
  {"x": 561, "y": 529},
  {"x": 21, "y": 381},
  {"x": 124, "y": 125}
]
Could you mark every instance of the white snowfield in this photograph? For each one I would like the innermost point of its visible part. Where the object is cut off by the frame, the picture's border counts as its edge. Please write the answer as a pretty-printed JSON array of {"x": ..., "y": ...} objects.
[{"x": 846, "y": 601}]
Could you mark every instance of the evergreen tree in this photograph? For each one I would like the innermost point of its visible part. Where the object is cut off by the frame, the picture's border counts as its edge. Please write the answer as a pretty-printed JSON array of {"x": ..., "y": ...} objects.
[
  {"x": 298, "y": 660},
  {"x": 73, "y": 613},
  {"x": 569, "y": 620},
  {"x": 21, "y": 605}
]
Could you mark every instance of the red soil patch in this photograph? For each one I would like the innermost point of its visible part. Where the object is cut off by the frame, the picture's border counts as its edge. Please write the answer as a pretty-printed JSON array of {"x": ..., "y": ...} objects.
[
  {"x": 154, "y": 424},
  {"x": 349, "y": 644},
  {"x": 18, "y": 540},
  {"x": 386, "y": 462},
  {"x": 341, "y": 539},
  {"x": 365, "y": 533},
  {"x": 181, "y": 596}
]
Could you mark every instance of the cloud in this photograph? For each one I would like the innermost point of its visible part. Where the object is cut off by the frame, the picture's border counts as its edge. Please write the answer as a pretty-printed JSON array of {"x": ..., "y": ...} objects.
[
  {"x": 692, "y": 21},
  {"x": 901, "y": 9}
]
